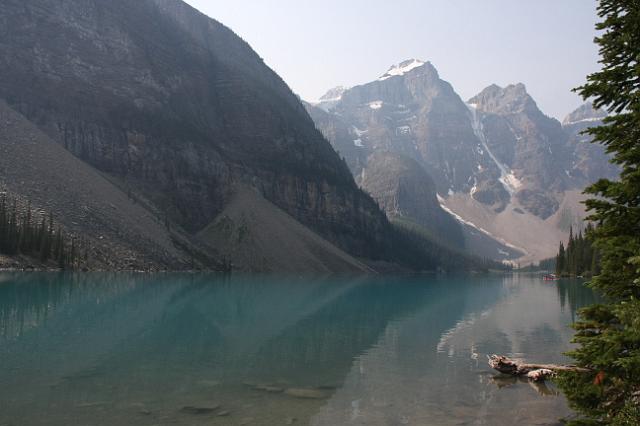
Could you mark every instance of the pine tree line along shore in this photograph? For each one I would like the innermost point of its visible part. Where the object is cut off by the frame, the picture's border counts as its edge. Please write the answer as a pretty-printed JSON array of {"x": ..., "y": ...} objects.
[
  {"x": 35, "y": 235},
  {"x": 579, "y": 258}
]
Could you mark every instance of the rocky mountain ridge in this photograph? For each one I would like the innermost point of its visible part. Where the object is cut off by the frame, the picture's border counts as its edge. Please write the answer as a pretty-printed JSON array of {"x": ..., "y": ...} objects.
[
  {"x": 497, "y": 154},
  {"x": 590, "y": 161}
]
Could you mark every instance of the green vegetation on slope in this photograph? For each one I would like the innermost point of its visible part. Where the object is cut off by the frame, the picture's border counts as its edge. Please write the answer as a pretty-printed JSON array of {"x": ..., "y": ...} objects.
[
  {"x": 608, "y": 334},
  {"x": 24, "y": 233},
  {"x": 414, "y": 247}
]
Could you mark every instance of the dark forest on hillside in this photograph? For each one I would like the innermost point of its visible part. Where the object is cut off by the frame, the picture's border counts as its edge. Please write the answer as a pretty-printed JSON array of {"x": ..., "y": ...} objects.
[{"x": 35, "y": 235}]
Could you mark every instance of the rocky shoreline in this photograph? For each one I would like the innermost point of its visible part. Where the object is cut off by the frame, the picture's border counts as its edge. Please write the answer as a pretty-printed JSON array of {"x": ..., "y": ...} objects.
[{"x": 27, "y": 264}]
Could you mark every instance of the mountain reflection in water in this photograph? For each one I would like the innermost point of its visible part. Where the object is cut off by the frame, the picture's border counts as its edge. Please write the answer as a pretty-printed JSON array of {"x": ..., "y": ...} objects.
[{"x": 102, "y": 349}]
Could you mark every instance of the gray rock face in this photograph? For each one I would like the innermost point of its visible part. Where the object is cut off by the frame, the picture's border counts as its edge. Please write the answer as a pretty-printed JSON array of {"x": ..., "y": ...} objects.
[
  {"x": 412, "y": 112},
  {"x": 331, "y": 98},
  {"x": 118, "y": 231},
  {"x": 498, "y": 148},
  {"x": 531, "y": 147},
  {"x": 173, "y": 104},
  {"x": 409, "y": 113},
  {"x": 406, "y": 192},
  {"x": 590, "y": 161},
  {"x": 584, "y": 115},
  {"x": 345, "y": 138},
  {"x": 334, "y": 94}
]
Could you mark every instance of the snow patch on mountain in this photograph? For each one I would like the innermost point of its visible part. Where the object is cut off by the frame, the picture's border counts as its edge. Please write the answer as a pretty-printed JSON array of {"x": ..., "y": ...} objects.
[
  {"x": 584, "y": 120},
  {"x": 375, "y": 104},
  {"x": 402, "y": 68},
  {"x": 334, "y": 94},
  {"x": 403, "y": 130},
  {"x": 330, "y": 99},
  {"x": 474, "y": 189},
  {"x": 412, "y": 118},
  {"x": 358, "y": 131},
  {"x": 510, "y": 181},
  {"x": 460, "y": 219},
  {"x": 507, "y": 178}
]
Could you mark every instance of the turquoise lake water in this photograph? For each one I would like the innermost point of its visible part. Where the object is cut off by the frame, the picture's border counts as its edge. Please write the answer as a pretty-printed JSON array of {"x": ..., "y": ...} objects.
[{"x": 181, "y": 349}]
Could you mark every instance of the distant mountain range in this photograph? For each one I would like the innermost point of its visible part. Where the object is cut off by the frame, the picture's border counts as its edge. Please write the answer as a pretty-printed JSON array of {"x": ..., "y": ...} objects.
[{"x": 509, "y": 174}]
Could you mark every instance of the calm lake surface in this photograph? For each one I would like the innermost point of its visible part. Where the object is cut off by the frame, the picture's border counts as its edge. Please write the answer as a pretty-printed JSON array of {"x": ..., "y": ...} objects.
[{"x": 132, "y": 349}]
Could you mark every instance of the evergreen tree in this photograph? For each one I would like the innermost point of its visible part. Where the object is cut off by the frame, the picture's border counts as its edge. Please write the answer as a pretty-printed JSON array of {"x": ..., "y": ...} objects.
[
  {"x": 609, "y": 334},
  {"x": 570, "y": 253},
  {"x": 72, "y": 253},
  {"x": 21, "y": 234},
  {"x": 580, "y": 257},
  {"x": 560, "y": 260}
]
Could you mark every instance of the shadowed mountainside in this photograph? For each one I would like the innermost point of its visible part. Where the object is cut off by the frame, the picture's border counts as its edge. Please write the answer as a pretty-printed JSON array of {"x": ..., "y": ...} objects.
[
  {"x": 175, "y": 110},
  {"x": 120, "y": 232}
]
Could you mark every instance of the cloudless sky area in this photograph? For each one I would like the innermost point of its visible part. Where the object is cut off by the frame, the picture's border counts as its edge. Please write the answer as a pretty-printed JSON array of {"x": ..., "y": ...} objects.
[{"x": 316, "y": 45}]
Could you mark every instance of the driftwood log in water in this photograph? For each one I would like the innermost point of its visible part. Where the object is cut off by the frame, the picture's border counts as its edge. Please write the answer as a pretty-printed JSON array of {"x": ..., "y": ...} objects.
[
  {"x": 502, "y": 381},
  {"x": 535, "y": 372}
]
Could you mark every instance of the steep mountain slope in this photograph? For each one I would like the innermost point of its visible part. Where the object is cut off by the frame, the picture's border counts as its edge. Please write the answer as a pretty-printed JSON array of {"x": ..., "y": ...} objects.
[
  {"x": 529, "y": 146},
  {"x": 499, "y": 164},
  {"x": 411, "y": 111},
  {"x": 346, "y": 139},
  {"x": 173, "y": 106},
  {"x": 590, "y": 161},
  {"x": 408, "y": 195},
  {"x": 257, "y": 236},
  {"x": 120, "y": 232},
  {"x": 406, "y": 192}
]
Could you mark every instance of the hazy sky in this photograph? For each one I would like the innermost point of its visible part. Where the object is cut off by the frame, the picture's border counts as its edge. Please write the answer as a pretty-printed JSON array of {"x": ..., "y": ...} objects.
[{"x": 317, "y": 45}]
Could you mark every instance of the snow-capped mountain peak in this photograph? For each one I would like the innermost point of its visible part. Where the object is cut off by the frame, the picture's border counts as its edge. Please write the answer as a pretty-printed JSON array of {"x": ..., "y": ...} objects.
[
  {"x": 334, "y": 94},
  {"x": 402, "y": 68},
  {"x": 331, "y": 98}
]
